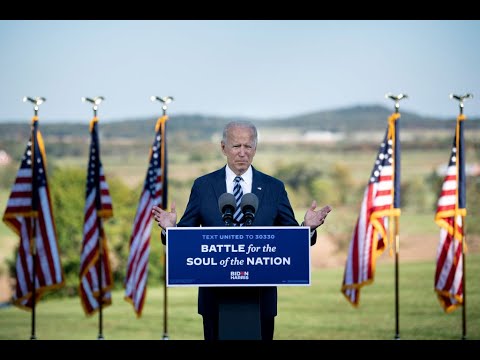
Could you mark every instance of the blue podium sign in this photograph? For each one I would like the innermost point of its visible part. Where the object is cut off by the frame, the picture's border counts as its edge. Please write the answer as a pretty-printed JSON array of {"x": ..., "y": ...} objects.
[{"x": 238, "y": 256}]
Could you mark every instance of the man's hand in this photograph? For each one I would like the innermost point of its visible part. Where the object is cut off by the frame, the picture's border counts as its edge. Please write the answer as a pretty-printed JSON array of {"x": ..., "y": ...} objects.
[
  {"x": 314, "y": 218},
  {"x": 164, "y": 218}
]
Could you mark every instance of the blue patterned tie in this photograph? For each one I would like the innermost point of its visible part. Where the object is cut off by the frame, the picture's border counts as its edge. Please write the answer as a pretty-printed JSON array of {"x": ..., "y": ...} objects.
[{"x": 238, "y": 193}]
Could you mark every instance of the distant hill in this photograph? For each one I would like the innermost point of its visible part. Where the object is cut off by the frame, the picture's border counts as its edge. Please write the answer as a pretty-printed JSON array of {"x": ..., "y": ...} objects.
[{"x": 201, "y": 127}]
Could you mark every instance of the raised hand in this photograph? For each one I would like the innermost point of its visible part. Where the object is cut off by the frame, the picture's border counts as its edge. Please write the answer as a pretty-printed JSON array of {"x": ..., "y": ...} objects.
[
  {"x": 164, "y": 218},
  {"x": 314, "y": 218}
]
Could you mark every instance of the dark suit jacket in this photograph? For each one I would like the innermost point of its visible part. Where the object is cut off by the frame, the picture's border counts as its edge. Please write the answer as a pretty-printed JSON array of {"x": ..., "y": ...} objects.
[{"x": 273, "y": 209}]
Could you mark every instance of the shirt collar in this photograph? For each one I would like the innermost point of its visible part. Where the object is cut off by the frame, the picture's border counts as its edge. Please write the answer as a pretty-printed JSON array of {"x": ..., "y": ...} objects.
[{"x": 247, "y": 176}]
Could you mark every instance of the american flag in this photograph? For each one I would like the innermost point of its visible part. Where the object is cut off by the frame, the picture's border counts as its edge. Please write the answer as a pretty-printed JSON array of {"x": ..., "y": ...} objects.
[
  {"x": 154, "y": 193},
  {"x": 98, "y": 206},
  {"x": 381, "y": 200},
  {"x": 29, "y": 214},
  {"x": 451, "y": 208}
]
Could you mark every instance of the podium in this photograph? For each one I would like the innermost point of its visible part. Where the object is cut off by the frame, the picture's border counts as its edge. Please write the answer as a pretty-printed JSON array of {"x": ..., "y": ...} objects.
[
  {"x": 239, "y": 316},
  {"x": 241, "y": 261}
]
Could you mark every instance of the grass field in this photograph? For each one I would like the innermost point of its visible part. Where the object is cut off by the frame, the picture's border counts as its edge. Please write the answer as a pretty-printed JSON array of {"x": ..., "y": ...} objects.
[{"x": 316, "y": 312}]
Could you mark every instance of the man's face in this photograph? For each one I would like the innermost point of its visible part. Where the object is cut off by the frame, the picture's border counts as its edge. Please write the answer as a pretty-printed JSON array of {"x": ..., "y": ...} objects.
[{"x": 239, "y": 149}]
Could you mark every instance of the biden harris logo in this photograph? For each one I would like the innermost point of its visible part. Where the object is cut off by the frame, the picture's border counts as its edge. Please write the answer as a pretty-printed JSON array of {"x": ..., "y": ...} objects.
[{"x": 238, "y": 275}]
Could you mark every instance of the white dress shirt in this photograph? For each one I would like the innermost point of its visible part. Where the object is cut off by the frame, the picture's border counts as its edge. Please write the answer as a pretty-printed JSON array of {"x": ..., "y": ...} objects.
[{"x": 246, "y": 182}]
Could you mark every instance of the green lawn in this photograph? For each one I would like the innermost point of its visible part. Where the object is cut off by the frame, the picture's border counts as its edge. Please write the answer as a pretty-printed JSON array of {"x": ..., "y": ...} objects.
[
  {"x": 315, "y": 312},
  {"x": 311, "y": 312}
]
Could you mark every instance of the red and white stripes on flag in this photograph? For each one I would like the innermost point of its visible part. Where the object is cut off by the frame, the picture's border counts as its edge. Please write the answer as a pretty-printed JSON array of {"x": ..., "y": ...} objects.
[
  {"x": 29, "y": 214},
  {"x": 154, "y": 193},
  {"x": 95, "y": 289},
  {"x": 451, "y": 208},
  {"x": 380, "y": 203}
]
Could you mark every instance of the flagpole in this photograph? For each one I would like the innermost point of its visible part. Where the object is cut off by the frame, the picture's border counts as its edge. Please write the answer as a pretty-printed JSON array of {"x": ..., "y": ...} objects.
[
  {"x": 464, "y": 272},
  {"x": 33, "y": 232},
  {"x": 395, "y": 231},
  {"x": 96, "y": 101},
  {"x": 164, "y": 100},
  {"x": 33, "y": 249},
  {"x": 100, "y": 285},
  {"x": 460, "y": 99}
]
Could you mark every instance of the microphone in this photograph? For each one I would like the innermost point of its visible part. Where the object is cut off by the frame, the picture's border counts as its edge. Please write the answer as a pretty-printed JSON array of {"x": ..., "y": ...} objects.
[
  {"x": 227, "y": 206},
  {"x": 249, "y": 205}
]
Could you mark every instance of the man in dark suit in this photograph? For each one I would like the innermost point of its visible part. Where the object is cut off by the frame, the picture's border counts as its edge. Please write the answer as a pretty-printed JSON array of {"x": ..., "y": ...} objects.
[{"x": 239, "y": 144}]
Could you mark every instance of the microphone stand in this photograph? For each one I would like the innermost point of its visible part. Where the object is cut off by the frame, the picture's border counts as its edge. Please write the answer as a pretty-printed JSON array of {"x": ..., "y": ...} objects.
[
  {"x": 249, "y": 217},
  {"x": 227, "y": 219}
]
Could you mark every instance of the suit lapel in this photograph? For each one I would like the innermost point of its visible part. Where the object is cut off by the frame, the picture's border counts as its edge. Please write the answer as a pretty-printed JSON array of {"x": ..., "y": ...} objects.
[
  {"x": 219, "y": 184},
  {"x": 258, "y": 186}
]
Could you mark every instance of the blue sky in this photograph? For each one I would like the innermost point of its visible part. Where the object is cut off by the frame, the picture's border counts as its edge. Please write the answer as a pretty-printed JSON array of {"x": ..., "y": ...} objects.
[{"x": 257, "y": 68}]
